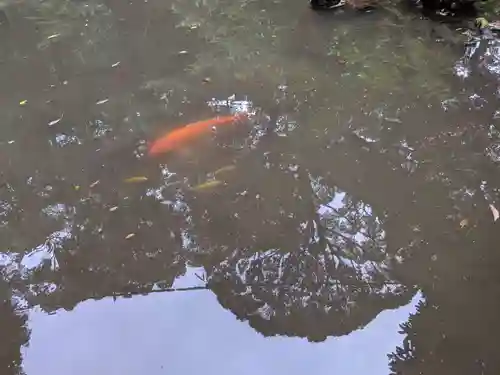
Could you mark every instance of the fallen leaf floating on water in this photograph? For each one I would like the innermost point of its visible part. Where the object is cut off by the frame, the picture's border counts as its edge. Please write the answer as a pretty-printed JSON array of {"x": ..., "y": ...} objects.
[
  {"x": 481, "y": 22},
  {"x": 94, "y": 184},
  {"x": 102, "y": 101},
  {"x": 393, "y": 120},
  {"x": 52, "y": 123},
  {"x": 114, "y": 208},
  {"x": 129, "y": 236},
  {"x": 494, "y": 212},
  {"x": 207, "y": 185},
  {"x": 136, "y": 179},
  {"x": 23, "y": 102},
  {"x": 464, "y": 223}
]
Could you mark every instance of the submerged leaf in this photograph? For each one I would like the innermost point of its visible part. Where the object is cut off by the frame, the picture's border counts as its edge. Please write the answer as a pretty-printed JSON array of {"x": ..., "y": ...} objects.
[{"x": 464, "y": 223}]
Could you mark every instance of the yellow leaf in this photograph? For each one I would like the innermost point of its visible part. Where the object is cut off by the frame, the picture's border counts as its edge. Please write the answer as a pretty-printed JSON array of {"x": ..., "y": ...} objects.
[
  {"x": 481, "y": 22},
  {"x": 23, "y": 102}
]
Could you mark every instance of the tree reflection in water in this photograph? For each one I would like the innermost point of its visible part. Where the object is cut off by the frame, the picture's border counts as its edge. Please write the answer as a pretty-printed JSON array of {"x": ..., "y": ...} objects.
[
  {"x": 15, "y": 333},
  {"x": 304, "y": 258},
  {"x": 297, "y": 243}
]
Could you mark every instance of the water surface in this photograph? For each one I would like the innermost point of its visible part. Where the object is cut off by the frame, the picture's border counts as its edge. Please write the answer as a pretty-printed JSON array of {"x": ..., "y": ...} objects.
[{"x": 354, "y": 226}]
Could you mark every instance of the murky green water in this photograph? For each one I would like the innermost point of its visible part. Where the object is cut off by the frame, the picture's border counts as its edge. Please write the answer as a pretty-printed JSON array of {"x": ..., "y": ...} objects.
[{"x": 353, "y": 228}]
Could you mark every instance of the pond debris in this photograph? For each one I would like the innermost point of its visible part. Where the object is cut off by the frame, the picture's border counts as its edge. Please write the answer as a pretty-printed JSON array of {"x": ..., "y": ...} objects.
[
  {"x": 23, "y": 102},
  {"x": 76, "y": 187},
  {"x": 129, "y": 236},
  {"x": 113, "y": 209},
  {"x": 53, "y": 122},
  {"x": 481, "y": 22},
  {"x": 451, "y": 103},
  {"x": 53, "y": 36},
  {"x": 394, "y": 120},
  {"x": 94, "y": 184},
  {"x": 115, "y": 64},
  {"x": 207, "y": 80},
  {"x": 183, "y": 52},
  {"x": 136, "y": 179},
  {"x": 63, "y": 140},
  {"x": 464, "y": 223},
  {"x": 102, "y": 101},
  {"x": 234, "y": 106},
  {"x": 494, "y": 212}
]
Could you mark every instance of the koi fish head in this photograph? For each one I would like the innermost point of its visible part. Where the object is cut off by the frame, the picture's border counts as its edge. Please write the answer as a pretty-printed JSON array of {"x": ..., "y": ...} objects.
[
  {"x": 168, "y": 143},
  {"x": 156, "y": 148}
]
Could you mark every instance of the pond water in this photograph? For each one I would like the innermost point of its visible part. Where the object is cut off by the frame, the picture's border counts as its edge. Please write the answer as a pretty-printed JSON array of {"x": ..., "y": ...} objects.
[{"x": 352, "y": 227}]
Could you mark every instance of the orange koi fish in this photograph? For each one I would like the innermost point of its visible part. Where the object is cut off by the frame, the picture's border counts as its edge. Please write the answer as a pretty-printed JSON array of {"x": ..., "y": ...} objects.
[{"x": 181, "y": 136}]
